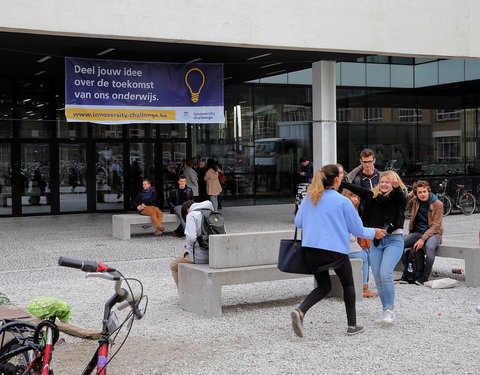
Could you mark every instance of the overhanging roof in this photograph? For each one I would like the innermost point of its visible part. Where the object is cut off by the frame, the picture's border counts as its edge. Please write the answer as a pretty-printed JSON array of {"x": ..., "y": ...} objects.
[{"x": 20, "y": 54}]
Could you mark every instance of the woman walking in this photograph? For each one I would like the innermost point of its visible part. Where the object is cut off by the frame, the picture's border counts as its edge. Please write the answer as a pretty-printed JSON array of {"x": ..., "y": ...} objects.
[
  {"x": 327, "y": 218},
  {"x": 213, "y": 184},
  {"x": 384, "y": 208}
]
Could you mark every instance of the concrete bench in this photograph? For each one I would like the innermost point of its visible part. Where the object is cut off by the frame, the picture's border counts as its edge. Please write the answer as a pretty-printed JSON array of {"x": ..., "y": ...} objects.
[
  {"x": 121, "y": 223},
  {"x": 241, "y": 258},
  {"x": 468, "y": 251}
]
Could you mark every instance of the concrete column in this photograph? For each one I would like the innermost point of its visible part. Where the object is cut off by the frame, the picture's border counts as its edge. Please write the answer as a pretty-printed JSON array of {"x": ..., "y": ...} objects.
[{"x": 324, "y": 101}]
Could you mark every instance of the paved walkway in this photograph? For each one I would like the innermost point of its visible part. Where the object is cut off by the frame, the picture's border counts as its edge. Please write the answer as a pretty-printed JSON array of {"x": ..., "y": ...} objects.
[{"x": 253, "y": 336}]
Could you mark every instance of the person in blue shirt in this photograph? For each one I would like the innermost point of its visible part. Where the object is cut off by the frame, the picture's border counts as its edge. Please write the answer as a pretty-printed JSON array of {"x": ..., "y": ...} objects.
[{"x": 327, "y": 218}]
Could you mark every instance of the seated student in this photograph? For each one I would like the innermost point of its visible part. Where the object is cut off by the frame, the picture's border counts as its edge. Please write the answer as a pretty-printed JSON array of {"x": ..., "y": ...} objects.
[
  {"x": 179, "y": 193},
  {"x": 192, "y": 252},
  {"x": 146, "y": 204},
  {"x": 425, "y": 227}
]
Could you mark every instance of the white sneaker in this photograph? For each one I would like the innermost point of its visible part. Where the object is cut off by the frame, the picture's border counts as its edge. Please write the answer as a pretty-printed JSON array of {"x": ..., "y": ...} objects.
[{"x": 388, "y": 317}]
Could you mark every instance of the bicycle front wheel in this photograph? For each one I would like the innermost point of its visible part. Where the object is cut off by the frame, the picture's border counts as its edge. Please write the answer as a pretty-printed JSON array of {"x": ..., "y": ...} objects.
[
  {"x": 447, "y": 204},
  {"x": 467, "y": 203}
]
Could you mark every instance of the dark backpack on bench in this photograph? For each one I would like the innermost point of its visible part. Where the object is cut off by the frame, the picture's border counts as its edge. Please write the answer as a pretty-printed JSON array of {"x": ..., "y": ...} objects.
[
  {"x": 212, "y": 223},
  {"x": 417, "y": 260}
]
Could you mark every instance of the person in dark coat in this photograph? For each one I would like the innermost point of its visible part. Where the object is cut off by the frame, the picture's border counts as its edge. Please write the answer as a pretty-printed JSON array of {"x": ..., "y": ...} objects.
[{"x": 179, "y": 193}]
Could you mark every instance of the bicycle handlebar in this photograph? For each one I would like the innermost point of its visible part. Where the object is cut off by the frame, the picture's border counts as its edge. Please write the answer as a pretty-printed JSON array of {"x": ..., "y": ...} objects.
[{"x": 84, "y": 265}]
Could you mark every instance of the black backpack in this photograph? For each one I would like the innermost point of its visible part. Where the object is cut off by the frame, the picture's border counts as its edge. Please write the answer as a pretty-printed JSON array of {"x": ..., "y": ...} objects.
[
  {"x": 212, "y": 223},
  {"x": 415, "y": 265}
]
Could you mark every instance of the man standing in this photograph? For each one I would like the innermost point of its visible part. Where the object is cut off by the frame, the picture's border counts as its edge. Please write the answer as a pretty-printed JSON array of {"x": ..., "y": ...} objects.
[
  {"x": 306, "y": 171},
  {"x": 425, "y": 228},
  {"x": 366, "y": 176},
  {"x": 179, "y": 193}
]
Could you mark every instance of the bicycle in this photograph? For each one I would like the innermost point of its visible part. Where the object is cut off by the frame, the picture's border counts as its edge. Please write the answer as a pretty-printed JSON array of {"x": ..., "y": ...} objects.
[
  {"x": 27, "y": 349},
  {"x": 463, "y": 200}
]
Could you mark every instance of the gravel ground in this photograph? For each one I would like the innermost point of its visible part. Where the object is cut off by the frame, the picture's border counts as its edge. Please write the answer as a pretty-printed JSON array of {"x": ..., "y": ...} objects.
[{"x": 436, "y": 331}]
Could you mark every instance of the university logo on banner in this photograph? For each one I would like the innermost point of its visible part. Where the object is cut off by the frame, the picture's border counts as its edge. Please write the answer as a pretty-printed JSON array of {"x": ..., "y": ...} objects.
[{"x": 122, "y": 92}]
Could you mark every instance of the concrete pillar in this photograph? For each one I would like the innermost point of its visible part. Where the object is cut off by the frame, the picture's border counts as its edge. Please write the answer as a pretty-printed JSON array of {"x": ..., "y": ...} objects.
[{"x": 324, "y": 101}]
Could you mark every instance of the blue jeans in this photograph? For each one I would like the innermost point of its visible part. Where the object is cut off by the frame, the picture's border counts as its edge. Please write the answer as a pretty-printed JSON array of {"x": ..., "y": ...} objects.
[
  {"x": 363, "y": 255},
  {"x": 383, "y": 259}
]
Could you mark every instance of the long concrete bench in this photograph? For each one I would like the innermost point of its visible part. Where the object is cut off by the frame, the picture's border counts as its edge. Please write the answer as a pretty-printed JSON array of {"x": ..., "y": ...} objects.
[
  {"x": 470, "y": 252},
  {"x": 466, "y": 250},
  {"x": 241, "y": 258},
  {"x": 121, "y": 223}
]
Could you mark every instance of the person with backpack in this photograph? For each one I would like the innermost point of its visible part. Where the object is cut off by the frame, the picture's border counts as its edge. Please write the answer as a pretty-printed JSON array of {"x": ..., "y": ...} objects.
[
  {"x": 425, "y": 235},
  {"x": 198, "y": 227}
]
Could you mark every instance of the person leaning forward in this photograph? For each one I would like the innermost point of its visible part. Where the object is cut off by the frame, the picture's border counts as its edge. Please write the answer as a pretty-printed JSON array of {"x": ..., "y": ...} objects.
[
  {"x": 192, "y": 252},
  {"x": 146, "y": 204},
  {"x": 425, "y": 228}
]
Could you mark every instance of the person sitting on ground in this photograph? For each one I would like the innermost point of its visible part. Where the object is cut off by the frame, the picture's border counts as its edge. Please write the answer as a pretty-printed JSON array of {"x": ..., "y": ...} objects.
[
  {"x": 425, "y": 228},
  {"x": 356, "y": 250},
  {"x": 179, "y": 193},
  {"x": 146, "y": 204},
  {"x": 192, "y": 252}
]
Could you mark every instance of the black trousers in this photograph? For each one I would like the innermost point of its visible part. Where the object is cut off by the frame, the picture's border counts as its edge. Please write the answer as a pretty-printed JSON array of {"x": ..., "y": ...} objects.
[{"x": 322, "y": 260}]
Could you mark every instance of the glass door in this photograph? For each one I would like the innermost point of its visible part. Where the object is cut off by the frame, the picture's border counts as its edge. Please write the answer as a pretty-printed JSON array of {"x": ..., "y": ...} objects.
[
  {"x": 142, "y": 165},
  {"x": 35, "y": 177},
  {"x": 5, "y": 180},
  {"x": 174, "y": 155},
  {"x": 72, "y": 176},
  {"x": 109, "y": 176}
]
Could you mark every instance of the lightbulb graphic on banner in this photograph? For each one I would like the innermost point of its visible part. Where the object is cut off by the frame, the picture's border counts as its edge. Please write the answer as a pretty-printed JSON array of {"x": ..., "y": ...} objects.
[{"x": 194, "y": 83}]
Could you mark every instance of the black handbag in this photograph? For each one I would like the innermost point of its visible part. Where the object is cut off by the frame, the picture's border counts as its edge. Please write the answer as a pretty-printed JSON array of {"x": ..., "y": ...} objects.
[{"x": 291, "y": 256}]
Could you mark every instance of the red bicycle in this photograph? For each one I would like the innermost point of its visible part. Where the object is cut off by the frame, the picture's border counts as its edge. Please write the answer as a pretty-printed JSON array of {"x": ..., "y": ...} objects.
[{"x": 27, "y": 349}]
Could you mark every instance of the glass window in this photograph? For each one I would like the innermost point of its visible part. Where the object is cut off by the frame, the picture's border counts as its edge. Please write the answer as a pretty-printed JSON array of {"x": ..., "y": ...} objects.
[
  {"x": 451, "y": 71},
  {"x": 5, "y": 180},
  {"x": 108, "y": 131},
  {"x": 302, "y": 77},
  {"x": 6, "y": 115},
  {"x": 73, "y": 177},
  {"x": 378, "y": 75},
  {"x": 33, "y": 113},
  {"x": 426, "y": 74},
  {"x": 35, "y": 169},
  {"x": 353, "y": 74},
  {"x": 402, "y": 76},
  {"x": 142, "y": 131},
  {"x": 377, "y": 59},
  {"x": 142, "y": 165},
  {"x": 109, "y": 176},
  {"x": 171, "y": 130},
  {"x": 279, "y": 78},
  {"x": 472, "y": 69}
]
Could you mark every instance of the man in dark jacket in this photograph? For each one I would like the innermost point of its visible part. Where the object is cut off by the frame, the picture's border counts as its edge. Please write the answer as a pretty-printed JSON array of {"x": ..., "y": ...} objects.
[
  {"x": 306, "y": 171},
  {"x": 179, "y": 193},
  {"x": 425, "y": 228}
]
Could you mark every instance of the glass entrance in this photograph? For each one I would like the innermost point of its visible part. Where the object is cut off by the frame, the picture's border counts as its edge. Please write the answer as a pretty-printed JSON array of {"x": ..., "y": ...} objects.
[
  {"x": 142, "y": 165},
  {"x": 109, "y": 176},
  {"x": 73, "y": 173},
  {"x": 5, "y": 180},
  {"x": 174, "y": 155},
  {"x": 35, "y": 177}
]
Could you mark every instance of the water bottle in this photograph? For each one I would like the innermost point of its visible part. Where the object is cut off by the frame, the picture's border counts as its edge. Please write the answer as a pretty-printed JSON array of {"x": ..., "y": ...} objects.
[{"x": 410, "y": 268}]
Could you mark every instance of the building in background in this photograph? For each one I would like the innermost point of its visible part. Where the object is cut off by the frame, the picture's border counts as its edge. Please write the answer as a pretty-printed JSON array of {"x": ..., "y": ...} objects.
[{"x": 419, "y": 114}]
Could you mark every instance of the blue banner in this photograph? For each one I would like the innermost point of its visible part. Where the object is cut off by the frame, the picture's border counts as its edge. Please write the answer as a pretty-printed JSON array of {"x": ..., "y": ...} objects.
[{"x": 120, "y": 92}]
